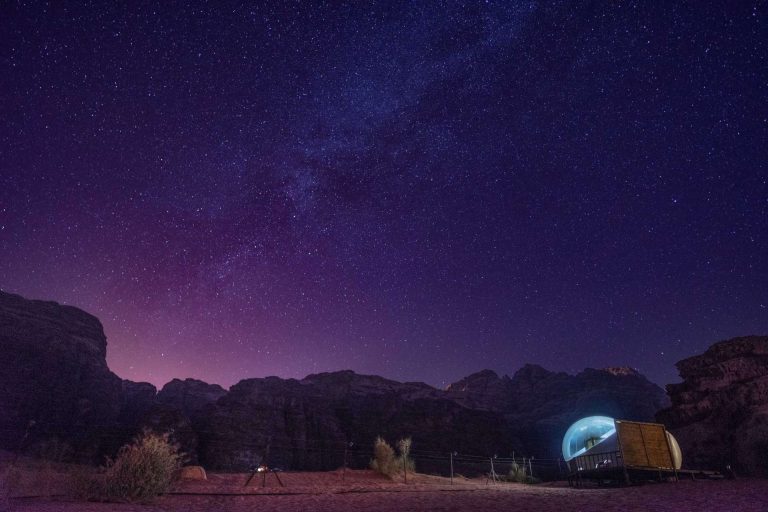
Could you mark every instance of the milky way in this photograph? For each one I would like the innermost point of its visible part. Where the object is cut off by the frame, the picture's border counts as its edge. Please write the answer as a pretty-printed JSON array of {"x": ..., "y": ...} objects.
[{"x": 415, "y": 190}]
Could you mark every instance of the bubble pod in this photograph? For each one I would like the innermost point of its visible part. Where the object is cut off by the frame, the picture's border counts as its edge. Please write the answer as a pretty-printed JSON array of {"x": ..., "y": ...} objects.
[{"x": 597, "y": 435}]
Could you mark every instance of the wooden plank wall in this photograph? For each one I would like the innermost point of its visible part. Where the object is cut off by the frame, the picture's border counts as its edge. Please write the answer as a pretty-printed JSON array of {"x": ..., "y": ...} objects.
[{"x": 644, "y": 444}]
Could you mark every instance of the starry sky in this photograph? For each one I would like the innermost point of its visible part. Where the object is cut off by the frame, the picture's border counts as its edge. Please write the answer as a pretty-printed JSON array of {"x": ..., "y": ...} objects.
[{"x": 418, "y": 190}]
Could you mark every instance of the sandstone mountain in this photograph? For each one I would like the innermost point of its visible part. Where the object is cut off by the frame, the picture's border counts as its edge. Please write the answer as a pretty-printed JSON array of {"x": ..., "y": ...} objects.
[
  {"x": 539, "y": 405},
  {"x": 308, "y": 423},
  {"x": 54, "y": 379},
  {"x": 55, "y": 386},
  {"x": 719, "y": 412},
  {"x": 53, "y": 372},
  {"x": 190, "y": 396}
]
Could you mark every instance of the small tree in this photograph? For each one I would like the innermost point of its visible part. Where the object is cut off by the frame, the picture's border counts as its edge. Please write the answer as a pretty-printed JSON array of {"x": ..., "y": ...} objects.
[
  {"x": 383, "y": 458},
  {"x": 404, "y": 461}
]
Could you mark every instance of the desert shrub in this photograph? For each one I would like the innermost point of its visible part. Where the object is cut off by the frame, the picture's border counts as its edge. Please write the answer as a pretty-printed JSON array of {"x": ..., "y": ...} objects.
[
  {"x": 517, "y": 473},
  {"x": 520, "y": 475},
  {"x": 141, "y": 471},
  {"x": 383, "y": 458},
  {"x": 405, "y": 460}
]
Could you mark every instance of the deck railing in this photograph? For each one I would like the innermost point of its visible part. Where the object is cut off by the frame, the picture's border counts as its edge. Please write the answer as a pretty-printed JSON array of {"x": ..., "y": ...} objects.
[{"x": 592, "y": 461}]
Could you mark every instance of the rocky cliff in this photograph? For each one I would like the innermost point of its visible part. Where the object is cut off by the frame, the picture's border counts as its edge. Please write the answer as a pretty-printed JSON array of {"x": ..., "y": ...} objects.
[
  {"x": 308, "y": 423},
  {"x": 539, "y": 405},
  {"x": 719, "y": 413},
  {"x": 54, "y": 379},
  {"x": 53, "y": 372},
  {"x": 58, "y": 395},
  {"x": 190, "y": 396}
]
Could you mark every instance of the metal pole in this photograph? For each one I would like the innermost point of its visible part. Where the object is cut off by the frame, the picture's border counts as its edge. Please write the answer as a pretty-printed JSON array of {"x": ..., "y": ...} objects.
[
  {"x": 266, "y": 463},
  {"x": 451, "y": 468},
  {"x": 530, "y": 468},
  {"x": 405, "y": 470},
  {"x": 493, "y": 471}
]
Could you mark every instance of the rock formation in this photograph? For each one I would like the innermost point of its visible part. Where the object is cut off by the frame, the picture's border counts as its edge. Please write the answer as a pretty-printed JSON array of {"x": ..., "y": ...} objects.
[
  {"x": 190, "y": 396},
  {"x": 53, "y": 371},
  {"x": 719, "y": 413},
  {"x": 539, "y": 405},
  {"x": 308, "y": 423},
  {"x": 58, "y": 395},
  {"x": 54, "y": 379},
  {"x": 137, "y": 399}
]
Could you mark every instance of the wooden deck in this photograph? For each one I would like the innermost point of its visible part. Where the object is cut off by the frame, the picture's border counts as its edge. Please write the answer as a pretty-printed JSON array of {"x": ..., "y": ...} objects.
[{"x": 619, "y": 475}]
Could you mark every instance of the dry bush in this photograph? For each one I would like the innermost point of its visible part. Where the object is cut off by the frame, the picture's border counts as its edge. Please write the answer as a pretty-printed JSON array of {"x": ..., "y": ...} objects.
[
  {"x": 520, "y": 475},
  {"x": 141, "y": 471},
  {"x": 517, "y": 473},
  {"x": 383, "y": 458},
  {"x": 404, "y": 461}
]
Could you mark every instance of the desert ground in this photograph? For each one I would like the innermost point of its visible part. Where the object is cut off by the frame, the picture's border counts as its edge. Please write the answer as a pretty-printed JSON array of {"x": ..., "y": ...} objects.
[{"x": 366, "y": 491}]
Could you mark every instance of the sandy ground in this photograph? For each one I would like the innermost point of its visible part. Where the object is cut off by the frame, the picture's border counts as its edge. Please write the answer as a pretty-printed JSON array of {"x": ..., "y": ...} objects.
[{"x": 365, "y": 491}]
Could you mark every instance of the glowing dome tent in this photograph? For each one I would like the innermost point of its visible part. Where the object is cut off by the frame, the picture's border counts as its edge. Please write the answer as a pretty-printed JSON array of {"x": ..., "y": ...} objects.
[
  {"x": 600, "y": 442},
  {"x": 587, "y": 434}
]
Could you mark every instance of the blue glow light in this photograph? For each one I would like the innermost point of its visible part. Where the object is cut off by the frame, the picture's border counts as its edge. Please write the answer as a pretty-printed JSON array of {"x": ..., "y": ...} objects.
[{"x": 586, "y": 433}]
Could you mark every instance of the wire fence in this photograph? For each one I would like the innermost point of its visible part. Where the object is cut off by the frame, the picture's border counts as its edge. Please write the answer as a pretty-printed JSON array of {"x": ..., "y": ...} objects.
[{"x": 288, "y": 453}]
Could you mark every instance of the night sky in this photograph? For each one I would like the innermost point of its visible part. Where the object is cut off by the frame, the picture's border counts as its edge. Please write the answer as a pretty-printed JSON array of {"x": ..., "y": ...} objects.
[{"x": 415, "y": 190}]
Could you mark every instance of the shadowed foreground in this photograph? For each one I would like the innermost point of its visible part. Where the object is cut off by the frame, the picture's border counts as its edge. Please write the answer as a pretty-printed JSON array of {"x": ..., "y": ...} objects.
[{"x": 362, "y": 492}]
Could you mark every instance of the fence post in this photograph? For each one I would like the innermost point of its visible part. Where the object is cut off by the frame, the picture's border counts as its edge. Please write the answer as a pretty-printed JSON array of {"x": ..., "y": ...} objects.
[
  {"x": 530, "y": 467},
  {"x": 490, "y": 475},
  {"x": 451, "y": 468}
]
